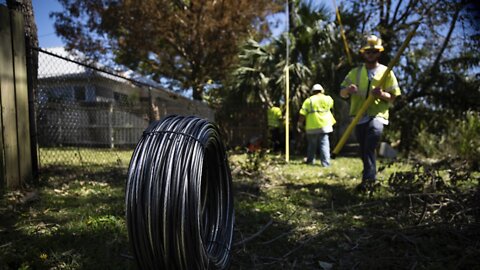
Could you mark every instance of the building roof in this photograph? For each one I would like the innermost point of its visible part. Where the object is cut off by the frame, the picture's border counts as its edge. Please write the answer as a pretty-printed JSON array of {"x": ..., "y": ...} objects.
[{"x": 58, "y": 62}]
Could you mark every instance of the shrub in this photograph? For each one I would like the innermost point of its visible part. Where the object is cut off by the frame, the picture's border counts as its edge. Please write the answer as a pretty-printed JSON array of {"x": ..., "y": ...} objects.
[{"x": 461, "y": 139}]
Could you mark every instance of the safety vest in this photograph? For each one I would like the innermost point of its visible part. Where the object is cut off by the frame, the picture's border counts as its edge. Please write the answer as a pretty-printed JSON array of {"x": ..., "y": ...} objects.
[
  {"x": 274, "y": 117},
  {"x": 316, "y": 110},
  {"x": 359, "y": 77}
]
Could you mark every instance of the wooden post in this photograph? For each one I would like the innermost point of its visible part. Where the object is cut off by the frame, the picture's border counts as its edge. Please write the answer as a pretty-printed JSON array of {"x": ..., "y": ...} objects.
[
  {"x": 21, "y": 96},
  {"x": 7, "y": 96},
  {"x": 15, "y": 155},
  {"x": 4, "y": 37}
]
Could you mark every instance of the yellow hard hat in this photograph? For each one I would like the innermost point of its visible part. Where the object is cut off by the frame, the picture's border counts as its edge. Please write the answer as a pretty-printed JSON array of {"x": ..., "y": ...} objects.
[{"x": 372, "y": 42}]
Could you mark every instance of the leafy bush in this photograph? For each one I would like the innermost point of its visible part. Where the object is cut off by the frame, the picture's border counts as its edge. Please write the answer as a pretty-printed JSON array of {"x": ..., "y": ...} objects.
[
  {"x": 253, "y": 164},
  {"x": 465, "y": 137},
  {"x": 460, "y": 139}
]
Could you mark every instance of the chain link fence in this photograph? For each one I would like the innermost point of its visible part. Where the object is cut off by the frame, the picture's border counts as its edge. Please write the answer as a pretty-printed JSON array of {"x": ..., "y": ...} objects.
[{"x": 88, "y": 117}]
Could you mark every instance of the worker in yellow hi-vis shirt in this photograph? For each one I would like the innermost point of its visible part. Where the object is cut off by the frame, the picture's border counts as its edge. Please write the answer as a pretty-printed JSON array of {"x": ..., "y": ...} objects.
[
  {"x": 359, "y": 83},
  {"x": 319, "y": 123},
  {"x": 275, "y": 124}
]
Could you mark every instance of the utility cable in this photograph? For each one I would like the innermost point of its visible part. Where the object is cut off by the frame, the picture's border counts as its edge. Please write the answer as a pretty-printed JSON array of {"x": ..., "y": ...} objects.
[
  {"x": 179, "y": 201},
  {"x": 342, "y": 32}
]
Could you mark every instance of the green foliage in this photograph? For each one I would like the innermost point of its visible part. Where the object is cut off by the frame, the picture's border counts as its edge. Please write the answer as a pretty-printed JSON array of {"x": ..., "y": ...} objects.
[
  {"x": 253, "y": 164},
  {"x": 465, "y": 137},
  {"x": 428, "y": 143},
  {"x": 455, "y": 138}
]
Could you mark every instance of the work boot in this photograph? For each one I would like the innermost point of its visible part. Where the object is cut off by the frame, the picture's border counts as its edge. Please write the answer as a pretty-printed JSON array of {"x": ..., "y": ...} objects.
[
  {"x": 367, "y": 185},
  {"x": 362, "y": 187},
  {"x": 372, "y": 186}
]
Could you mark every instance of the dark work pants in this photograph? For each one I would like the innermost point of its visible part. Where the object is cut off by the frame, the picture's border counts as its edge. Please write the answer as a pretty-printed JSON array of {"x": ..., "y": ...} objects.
[
  {"x": 275, "y": 139},
  {"x": 368, "y": 136}
]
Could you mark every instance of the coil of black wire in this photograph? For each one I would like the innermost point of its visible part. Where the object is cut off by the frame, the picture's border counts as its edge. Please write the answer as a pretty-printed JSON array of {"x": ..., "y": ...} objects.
[{"x": 179, "y": 201}]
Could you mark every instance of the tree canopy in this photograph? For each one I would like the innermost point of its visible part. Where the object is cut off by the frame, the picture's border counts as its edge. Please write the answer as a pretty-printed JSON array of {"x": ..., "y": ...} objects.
[{"x": 184, "y": 43}]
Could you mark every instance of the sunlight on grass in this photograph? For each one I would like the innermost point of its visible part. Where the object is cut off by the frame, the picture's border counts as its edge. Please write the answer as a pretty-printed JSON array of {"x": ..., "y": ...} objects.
[
  {"x": 315, "y": 209},
  {"x": 288, "y": 215},
  {"x": 76, "y": 223}
]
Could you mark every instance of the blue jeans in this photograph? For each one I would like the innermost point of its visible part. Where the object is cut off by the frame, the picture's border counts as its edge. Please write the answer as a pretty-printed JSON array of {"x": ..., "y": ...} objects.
[
  {"x": 368, "y": 136},
  {"x": 321, "y": 143}
]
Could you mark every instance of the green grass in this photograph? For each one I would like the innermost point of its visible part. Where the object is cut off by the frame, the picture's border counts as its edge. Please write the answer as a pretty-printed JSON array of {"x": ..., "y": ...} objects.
[
  {"x": 304, "y": 217},
  {"x": 78, "y": 156},
  {"x": 77, "y": 222},
  {"x": 318, "y": 221}
]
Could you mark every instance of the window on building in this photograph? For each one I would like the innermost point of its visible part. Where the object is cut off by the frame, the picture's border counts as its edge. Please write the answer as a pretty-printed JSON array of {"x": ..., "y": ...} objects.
[
  {"x": 79, "y": 92},
  {"x": 121, "y": 98}
]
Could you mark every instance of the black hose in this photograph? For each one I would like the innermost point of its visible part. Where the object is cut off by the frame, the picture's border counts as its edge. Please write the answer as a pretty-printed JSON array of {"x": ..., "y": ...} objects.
[{"x": 179, "y": 201}]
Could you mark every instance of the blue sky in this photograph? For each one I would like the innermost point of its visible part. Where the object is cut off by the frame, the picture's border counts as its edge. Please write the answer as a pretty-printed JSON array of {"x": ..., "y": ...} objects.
[{"x": 46, "y": 33}]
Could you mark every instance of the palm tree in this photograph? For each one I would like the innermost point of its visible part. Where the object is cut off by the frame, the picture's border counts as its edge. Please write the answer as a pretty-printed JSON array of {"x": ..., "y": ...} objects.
[
  {"x": 316, "y": 56},
  {"x": 255, "y": 73}
]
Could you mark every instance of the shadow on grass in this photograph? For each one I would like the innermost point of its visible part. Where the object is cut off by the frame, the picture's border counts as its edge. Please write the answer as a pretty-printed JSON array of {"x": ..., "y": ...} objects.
[
  {"x": 279, "y": 243},
  {"x": 260, "y": 239},
  {"x": 322, "y": 195},
  {"x": 381, "y": 232},
  {"x": 77, "y": 222}
]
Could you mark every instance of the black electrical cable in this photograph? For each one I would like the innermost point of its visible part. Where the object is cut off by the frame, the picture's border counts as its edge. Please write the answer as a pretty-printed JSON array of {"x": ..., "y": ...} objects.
[{"x": 179, "y": 201}]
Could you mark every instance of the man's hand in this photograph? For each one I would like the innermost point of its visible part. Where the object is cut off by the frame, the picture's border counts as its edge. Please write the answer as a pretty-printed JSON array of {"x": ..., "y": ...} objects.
[
  {"x": 377, "y": 92},
  {"x": 349, "y": 90},
  {"x": 300, "y": 121},
  {"x": 352, "y": 89},
  {"x": 299, "y": 127}
]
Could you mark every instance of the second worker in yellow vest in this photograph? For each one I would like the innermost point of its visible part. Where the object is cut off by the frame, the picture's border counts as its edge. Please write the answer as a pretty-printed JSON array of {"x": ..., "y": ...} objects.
[
  {"x": 319, "y": 123},
  {"x": 275, "y": 124}
]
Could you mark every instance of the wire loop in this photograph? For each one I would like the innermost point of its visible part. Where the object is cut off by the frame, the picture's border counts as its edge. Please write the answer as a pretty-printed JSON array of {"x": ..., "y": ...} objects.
[{"x": 178, "y": 197}]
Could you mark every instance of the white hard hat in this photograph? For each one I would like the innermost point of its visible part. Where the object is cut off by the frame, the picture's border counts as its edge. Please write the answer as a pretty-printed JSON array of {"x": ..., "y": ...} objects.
[{"x": 317, "y": 87}]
